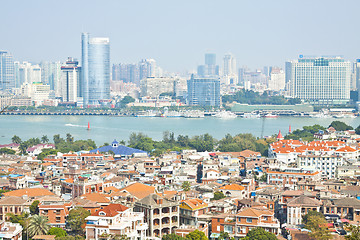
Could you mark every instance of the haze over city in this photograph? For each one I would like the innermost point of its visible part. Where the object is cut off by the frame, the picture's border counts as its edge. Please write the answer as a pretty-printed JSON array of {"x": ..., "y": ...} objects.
[{"x": 178, "y": 33}]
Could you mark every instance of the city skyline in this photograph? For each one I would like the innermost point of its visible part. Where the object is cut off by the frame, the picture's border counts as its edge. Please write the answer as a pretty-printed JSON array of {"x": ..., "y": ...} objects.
[{"x": 178, "y": 44}]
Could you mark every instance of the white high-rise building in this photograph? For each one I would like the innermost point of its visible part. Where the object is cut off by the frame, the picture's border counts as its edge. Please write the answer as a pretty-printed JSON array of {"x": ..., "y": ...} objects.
[
  {"x": 29, "y": 73},
  {"x": 50, "y": 75},
  {"x": 324, "y": 80},
  {"x": 70, "y": 80},
  {"x": 229, "y": 73},
  {"x": 277, "y": 79}
]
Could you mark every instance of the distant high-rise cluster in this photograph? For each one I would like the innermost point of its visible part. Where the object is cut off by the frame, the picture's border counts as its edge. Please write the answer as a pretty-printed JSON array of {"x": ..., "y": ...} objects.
[{"x": 7, "y": 71}]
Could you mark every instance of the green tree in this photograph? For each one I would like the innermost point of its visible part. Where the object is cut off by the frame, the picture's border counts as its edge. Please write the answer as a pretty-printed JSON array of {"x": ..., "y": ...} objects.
[
  {"x": 126, "y": 100},
  {"x": 76, "y": 237},
  {"x": 259, "y": 234},
  {"x": 357, "y": 130},
  {"x": 16, "y": 139},
  {"x": 185, "y": 186},
  {"x": 7, "y": 151},
  {"x": 34, "y": 207},
  {"x": 46, "y": 152},
  {"x": 263, "y": 177},
  {"x": 38, "y": 225},
  {"x": 311, "y": 213},
  {"x": 196, "y": 235},
  {"x": 58, "y": 232},
  {"x": 76, "y": 219},
  {"x": 69, "y": 138},
  {"x": 354, "y": 233},
  {"x": 318, "y": 227},
  {"x": 172, "y": 236},
  {"x": 44, "y": 139},
  {"x": 340, "y": 126},
  {"x": 218, "y": 195}
]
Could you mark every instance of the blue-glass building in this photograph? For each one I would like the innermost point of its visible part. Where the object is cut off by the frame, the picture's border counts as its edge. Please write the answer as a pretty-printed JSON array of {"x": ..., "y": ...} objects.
[
  {"x": 204, "y": 91},
  {"x": 7, "y": 72},
  {"x": 95, "y": 70}
]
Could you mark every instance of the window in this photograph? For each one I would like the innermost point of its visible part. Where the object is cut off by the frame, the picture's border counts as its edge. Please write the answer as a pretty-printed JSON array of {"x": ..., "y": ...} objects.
[{"x": 249, "y": 220}]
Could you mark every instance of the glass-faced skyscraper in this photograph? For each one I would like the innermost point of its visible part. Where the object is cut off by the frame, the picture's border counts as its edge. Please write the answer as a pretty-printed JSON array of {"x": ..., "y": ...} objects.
[
  {"x": 204, "y": 91},
  {"x": 323, "y": 81},
  {"x": 7, "y": 72},
  {"x": 95, "y": 70}
]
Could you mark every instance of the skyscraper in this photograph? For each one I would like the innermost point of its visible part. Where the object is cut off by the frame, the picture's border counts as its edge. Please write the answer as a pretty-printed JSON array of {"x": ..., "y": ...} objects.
[
  {"x": 7, "y": 73},
  {"x": 210, "y": 68},
  {"x": 323, "y": 80},
  {"x": 204, "y": 91},
  {"x": 229, "y": 73},
  {"x": 50, "y": 75},
  {"x": 95, "y": 70},
  {"x": 70, "y": 79}
]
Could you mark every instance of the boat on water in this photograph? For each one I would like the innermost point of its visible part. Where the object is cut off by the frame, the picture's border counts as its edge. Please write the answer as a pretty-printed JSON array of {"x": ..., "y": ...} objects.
[
  {"x": 320, "y": 115},
  {"x": 145, "y": 114},
  {"x": 225, "y": 115},
  {"x": 251, "y": 115},
  {"x": 172, "y": 114},
  {"x": 194, "y": 114},
  {"x": 269, "y": 115}
]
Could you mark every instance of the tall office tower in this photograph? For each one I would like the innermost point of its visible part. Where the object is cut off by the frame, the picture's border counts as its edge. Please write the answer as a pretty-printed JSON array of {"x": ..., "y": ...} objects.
[
  {"x": 229, "y": 72},
  {"x": 147, "y": 68},
  {"x": 95, "y": 70},
  {"x": 357, "y": 76},
  {"x": 50, "y": 75},
  {"x": 277, "y": 79},
  {"x": 210, "y": 68},
  {"x": 70, "y": 79},
  {"x": 203, "y": 91},
  {"x": 322, "y": 81},
  {"x": 7, "y": 72}
]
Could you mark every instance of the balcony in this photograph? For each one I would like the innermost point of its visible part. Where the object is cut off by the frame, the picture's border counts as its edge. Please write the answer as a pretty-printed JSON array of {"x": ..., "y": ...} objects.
[{"x": 142, "y": 226}]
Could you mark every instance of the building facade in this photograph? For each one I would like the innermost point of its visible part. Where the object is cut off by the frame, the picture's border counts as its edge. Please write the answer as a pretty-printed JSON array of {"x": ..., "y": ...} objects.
[
  {"x": 322, "y": 81},
  {"x": 95, "y": 70},
  {"x": 70, "y": 80},
  {"x": 204, "y": 91},
  {"x": 7, "y": 73}
]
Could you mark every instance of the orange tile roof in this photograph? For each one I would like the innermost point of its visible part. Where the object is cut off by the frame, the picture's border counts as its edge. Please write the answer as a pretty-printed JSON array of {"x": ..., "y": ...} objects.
[
  {"x": 139, "y": 190},
  {"x": 195, "y": 203},
  {"x": 256, "y": 213},
  {"x": 47, "y": 164},
  {"x": 30, "y": 192},
  {"x": 346, "y": 149},
  {"x": 234, "y": 187},
  {"x": 95, "y": 197},
  {"x": 111, "y": 210},
  {"x": 69, "y": 180},
  {"x": 110, "y": 189}
]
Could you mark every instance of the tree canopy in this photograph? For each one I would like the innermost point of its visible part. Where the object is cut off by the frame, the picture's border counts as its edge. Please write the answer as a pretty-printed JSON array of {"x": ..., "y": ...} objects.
[
  {"x": 58, "y": 232},
  {"x": 76, "y": 219},
  {"x": 318, "y": 227},
  {"x": 259, "y": 234},
  {"x": 196, "y": 235},
  {"x": 340, "y": 126},
  {"x": 34, "y": 207}
]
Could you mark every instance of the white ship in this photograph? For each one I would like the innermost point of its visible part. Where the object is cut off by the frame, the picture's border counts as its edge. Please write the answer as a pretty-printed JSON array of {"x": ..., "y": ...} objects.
[
  {"x": 225, "y": 115},
  {"x": 194, "y": 114}
]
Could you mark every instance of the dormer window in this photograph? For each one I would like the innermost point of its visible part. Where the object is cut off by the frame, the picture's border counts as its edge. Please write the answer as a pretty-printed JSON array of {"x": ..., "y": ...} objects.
[{"x": 102, "y": 213}]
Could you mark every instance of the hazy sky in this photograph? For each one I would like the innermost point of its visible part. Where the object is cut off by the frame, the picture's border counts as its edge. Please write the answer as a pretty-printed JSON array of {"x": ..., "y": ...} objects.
[{"x": 178, "y": 33}]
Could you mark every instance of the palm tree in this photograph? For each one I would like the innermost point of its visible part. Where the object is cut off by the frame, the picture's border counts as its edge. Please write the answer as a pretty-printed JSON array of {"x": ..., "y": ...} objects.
[
  {"x": 44, "y": 139},
  {"x": 38, "y": 225},
  {"x": 16, "y": 139}
]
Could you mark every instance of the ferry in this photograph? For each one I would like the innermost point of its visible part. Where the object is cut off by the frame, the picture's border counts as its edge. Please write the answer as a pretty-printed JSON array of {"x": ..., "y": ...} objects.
[{"x": 271, "y": 116}]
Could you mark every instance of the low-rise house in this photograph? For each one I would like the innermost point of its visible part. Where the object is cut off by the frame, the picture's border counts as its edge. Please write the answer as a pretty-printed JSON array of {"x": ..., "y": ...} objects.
[
  {"x": 191, "y": 209},
  {"x": 161, "y": 214},
  {"x": 289, "y": 178},
  {"x": 56, "y": 212},
  {"x": 116, "y": 220},
  {"x": 348, "y": 208},
  {"x": 233, "y": 190},
  {"x": 14, "y": 205},
  {"x": 10, "y": 230},
  {"x": 298, "y": 207},
  {"x": 29, "y": 193}
]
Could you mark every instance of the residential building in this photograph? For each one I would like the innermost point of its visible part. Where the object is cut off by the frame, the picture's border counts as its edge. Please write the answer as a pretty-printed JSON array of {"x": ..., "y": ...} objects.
[
  {"x": 28, "y": 73},
  {"x": 298, "y": 207},
  {"x": 95, "y": 70},
  {"x": 234, "y": 190},
  {"x": 116, "y": 220},
  {"x": 204, "y": 91},
  {"x": 70, "y": 81},
  {"x": 161, "y": 214},
  {"x": 210, "y": 69},
  {"x": 289, "y": 178},
  {"x": 51, "y": 74},
  {"x": 56, "y": 212},
  {"x": 348, "y": 208},
  {"x": 191, "y": 209},
  {"x": 11, "y": 231},
  {"x": 13, "y": 204},
  {"x": 277, "y": 79},
  {"x": 323, "y": 80}
]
